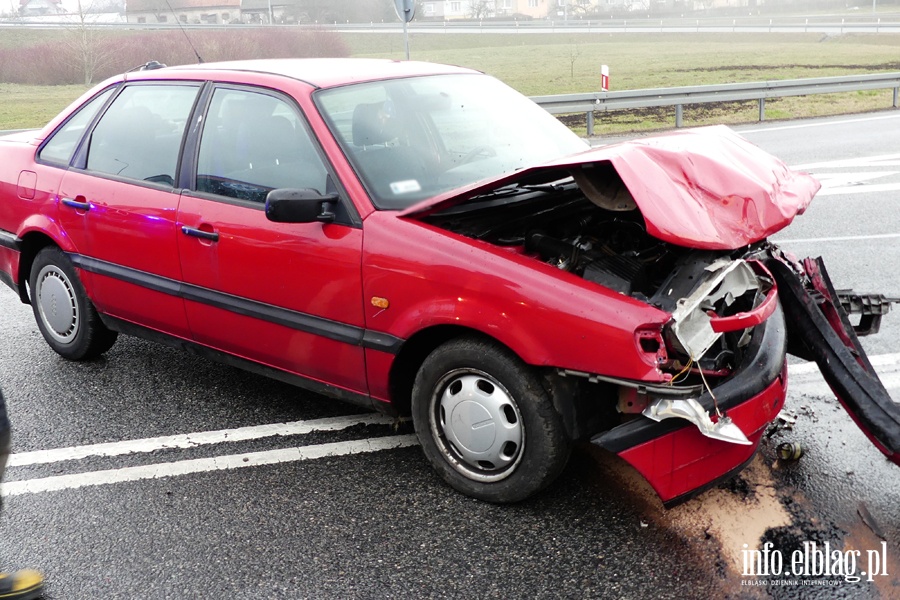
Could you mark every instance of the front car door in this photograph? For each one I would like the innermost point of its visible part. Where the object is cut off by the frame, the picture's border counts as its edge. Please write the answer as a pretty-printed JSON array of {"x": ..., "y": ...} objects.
[{"x": 285, "y": 295}]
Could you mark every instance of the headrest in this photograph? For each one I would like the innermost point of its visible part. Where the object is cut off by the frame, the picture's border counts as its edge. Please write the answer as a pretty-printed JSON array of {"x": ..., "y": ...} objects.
[{"x": 373, "y": 124}]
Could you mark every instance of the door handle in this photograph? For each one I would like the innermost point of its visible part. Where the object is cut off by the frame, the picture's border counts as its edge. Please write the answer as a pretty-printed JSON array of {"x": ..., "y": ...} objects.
[
  {"x": 199, "y": 233},
  {"x": 73, "y": 203}
]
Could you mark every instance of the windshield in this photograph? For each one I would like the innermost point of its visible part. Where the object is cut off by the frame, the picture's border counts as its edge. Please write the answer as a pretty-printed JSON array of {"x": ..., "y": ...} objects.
[{"x": 410, "y": 139}]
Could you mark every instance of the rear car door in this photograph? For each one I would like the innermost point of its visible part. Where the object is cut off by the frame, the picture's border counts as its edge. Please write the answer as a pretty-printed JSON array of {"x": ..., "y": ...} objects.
[
  {"x": 287, "y": 295},
  {"x": 119, "y": 197}
]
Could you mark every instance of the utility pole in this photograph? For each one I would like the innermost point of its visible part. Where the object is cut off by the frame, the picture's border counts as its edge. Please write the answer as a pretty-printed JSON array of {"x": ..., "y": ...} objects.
[{"x": 406, "y": 10}]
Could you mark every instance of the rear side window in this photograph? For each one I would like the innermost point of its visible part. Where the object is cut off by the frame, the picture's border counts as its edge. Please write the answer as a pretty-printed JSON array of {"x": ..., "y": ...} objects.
[
  {"x": 253, "y": 143},
  {"x": 61, "y": 145},
  {"x": 139, "y": 136}
]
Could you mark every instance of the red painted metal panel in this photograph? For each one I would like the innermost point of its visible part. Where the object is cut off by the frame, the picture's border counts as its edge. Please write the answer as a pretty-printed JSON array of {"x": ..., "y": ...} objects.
[
  {"x": 684, "y": 460},
  {"x": 550, "y": 318},
  {"x": 309, "y": 268}
]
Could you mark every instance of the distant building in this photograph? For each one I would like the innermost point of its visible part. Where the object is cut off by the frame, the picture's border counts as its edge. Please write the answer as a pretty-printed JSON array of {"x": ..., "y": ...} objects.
[
  {"x": 37, "y": 8},
  {"x": 468, "y": 9},
  {"x": 447, "y": 9},
  {"x": 537, "y": 9},
  {"x": 280, "y": 11},
  {"x": 185, "y": 11}
]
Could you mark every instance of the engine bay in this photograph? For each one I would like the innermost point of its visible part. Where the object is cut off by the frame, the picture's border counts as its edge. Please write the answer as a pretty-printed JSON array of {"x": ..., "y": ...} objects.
[{"x": 603, "y": 239}]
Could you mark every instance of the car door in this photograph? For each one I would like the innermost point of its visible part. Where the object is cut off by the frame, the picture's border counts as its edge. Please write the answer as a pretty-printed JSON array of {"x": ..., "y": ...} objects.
[
  {"x": 119, "y": 197},
  {"x": 287, "y": 295}
]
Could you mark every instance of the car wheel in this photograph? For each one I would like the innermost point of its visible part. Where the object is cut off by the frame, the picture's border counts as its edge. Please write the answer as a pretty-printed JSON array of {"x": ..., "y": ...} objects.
[
  {"x": 485, "y": 422},
  {"x": 64, "y": 314}
]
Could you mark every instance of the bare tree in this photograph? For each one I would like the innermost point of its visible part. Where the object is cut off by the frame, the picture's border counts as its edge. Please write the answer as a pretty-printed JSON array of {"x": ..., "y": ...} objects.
[
  {"x": 574, "y": 53},
  {"x": 480, "y": 9},
  {"x": 580, "y": 7},
  {"x": 85, "y": 48}
]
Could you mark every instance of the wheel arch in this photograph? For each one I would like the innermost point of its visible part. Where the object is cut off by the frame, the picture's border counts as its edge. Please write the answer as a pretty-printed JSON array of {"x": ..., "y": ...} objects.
[
  {"x": 414, "y": 352},
  {"x": 585, "y": 408},
  {"x": 32, "y": 243}
]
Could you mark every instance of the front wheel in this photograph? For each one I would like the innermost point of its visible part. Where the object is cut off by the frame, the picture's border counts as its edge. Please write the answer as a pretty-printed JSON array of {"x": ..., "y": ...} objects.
[
  {"x": 485, "y": 422},
  {"x": 64, "y": 314}
]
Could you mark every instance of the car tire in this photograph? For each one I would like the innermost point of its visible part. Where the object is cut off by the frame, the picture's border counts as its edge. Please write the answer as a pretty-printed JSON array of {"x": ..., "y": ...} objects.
[
  {"x": 486, "y": 423},
  {"x": 64, "y": 313}
]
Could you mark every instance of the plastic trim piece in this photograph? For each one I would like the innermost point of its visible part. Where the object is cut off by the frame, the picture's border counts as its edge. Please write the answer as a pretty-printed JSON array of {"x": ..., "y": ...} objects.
[
  {"x": 341, "y": 332},
  {"x": 9, "y": 240}
]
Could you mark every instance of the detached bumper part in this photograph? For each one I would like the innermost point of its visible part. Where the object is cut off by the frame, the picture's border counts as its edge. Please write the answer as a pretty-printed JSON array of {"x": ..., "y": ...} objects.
[
  {"x": 821, "y": 331},
  {"x": 674, "y": 456}
]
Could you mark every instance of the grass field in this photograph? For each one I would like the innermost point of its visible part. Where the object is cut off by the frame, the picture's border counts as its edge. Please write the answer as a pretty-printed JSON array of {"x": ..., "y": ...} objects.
[
  {"x": 538, "y": 64},
  {"x": 566, "y": 63}
]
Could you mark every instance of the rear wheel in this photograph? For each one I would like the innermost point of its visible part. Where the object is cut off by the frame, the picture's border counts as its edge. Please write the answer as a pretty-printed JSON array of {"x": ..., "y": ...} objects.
[
  {"x": 64, "y": 314},
  {"x": 486, "y": 423}
]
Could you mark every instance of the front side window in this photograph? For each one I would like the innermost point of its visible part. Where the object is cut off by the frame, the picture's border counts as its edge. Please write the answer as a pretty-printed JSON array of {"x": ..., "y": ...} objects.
[
  {"x": 139, "y": 136},
  {"x": 61, "y": 145},
  {"x": 410, "y": 139},
  {"x": 253, "y": 143}
]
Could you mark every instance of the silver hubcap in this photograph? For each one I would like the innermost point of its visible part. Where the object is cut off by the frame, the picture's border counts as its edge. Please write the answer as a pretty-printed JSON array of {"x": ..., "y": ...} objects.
[
  {"x": 57, "y": 304},
  {"x": 477, "y": 425}
]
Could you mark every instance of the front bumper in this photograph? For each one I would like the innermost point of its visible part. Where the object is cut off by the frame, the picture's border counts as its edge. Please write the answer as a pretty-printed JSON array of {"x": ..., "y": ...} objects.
[{"x": 680, "y": 462}]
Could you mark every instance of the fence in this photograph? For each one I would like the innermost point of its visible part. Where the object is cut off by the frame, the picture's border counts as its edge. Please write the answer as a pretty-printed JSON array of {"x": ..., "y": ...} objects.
[{"x": 592, "y": 102}]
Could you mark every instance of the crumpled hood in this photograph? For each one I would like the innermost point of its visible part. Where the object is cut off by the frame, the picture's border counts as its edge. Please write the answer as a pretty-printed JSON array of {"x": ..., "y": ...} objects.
[{"x": 705, "y": 188}]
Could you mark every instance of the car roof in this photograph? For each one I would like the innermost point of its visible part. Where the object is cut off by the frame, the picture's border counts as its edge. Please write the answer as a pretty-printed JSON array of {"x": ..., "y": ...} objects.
[{"x": 325, "y": 72}]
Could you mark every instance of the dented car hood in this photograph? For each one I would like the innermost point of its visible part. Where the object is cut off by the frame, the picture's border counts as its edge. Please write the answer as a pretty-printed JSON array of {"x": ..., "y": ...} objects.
[{"x": 705, "y": 188}]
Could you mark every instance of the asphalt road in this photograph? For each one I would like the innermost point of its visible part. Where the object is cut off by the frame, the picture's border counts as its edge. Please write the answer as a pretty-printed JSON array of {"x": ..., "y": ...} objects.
[{"x": 204, "y": 502}]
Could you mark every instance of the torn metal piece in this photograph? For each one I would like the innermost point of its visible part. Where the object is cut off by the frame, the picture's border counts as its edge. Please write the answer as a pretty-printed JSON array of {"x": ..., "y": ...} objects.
[{"x": 690, "y": 409}]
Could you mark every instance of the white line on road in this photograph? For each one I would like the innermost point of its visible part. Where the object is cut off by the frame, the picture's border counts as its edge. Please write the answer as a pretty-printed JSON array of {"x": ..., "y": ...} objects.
[
  {"x": 818, "y": 387},
  {"x": 203, "y": 465},
  {"x": 804, "y": 376},
  {"x": 879, "y": 360},
  {"x": 823, "y": 124},
  {"x": 845, "y": 238},
  {"x": 191, "y": 440},
  {"x": 859, "y": 189}
]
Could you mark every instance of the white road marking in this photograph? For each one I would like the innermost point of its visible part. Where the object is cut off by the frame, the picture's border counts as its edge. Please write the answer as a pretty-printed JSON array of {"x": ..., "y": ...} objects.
[
  {"x": 818, "y": 387},
  {"x": 878, "y": 361},
  {"x": 802, "y": 378},
  {"x": 854, "y": 178},
  {"x": 204, "y": 465},
  {"x": 824, "y": 124},
  {"x": 881, "y": 160},
  {"x": 856, "y": 181},
  {"x": 859, "y": 189},
  {"x": 191, "y": 440},
  {"x": 845, "y": 238}
]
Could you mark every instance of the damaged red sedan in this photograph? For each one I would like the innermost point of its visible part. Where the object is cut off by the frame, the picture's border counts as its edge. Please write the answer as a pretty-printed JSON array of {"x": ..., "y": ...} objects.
[{"x": 423, "y": 240}]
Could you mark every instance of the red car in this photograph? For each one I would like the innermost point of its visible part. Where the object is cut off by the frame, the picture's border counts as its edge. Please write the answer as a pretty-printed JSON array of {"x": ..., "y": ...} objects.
[{"x": 422, "y": 239}]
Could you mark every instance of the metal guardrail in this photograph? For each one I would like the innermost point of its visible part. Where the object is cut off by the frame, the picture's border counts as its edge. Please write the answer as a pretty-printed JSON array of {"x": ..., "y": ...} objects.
[{"x": 592, "y": 102}]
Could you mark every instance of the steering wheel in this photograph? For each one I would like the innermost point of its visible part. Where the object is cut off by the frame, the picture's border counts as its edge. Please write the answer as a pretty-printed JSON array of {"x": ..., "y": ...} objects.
[{"x": 483, "y": 151}]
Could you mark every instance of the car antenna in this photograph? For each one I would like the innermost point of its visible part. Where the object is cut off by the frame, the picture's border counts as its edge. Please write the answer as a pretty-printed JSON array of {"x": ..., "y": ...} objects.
[{"x": 186, "y": 36}]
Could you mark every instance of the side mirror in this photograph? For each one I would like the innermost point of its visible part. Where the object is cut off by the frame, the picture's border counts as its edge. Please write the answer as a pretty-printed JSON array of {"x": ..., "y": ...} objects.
[{"x": 288, "y": 205}]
